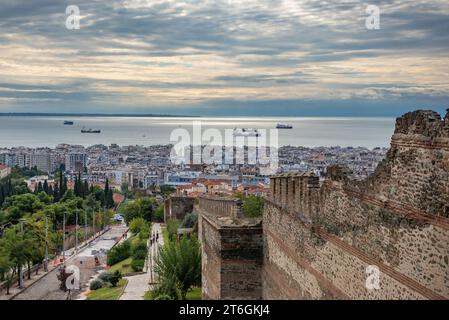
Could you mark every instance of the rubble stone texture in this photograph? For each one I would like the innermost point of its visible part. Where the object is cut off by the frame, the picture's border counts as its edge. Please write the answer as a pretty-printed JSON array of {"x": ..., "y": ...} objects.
[{"x": 318, "y": 240}]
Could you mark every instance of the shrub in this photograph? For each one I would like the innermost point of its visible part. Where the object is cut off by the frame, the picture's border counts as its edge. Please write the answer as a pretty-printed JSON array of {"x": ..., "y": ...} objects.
[
  {"x": 137, "y": 264},
  {"x": 139, "y": 251},
  {"x": 181, "y": 261},
  {"x": 166, "y": 289},
  {"x": 159, "y": 213},
  {"x": 137, "y": 224},
  {"x": 163, "y": 297},
  {"x": 119, "y": 253},
  {"x": 253, "y": 206},
  {"x": 110, "y": 277},
  {"x": 172, "y": 228},
  {"x": 96, "y": 284},
  {"x": 105, "y": 276},
  {"x": 115, "y": 278},
  {"x": 190, "y": 220}
]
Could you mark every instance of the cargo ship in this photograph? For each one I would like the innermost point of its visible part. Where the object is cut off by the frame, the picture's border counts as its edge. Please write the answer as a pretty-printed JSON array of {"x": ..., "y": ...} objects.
[
  {"x": 246, "y": 132},
  {"x": 284, "y": 126},
  {"x": 84, "y": 130}
]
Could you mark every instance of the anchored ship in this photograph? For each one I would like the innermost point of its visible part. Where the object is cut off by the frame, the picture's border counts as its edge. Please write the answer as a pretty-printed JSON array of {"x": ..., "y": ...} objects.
[
  {"x": 246, "y": 132},
  {"x": 84, "y": 130},
  {"x": 284, "y": 126}
]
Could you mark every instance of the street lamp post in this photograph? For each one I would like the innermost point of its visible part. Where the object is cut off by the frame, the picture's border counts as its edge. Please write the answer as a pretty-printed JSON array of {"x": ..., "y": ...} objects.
[
  {"x": 76, "y": 232},
  {"x": 63, "y": 238},
  {"x": 46, "y": 245},
  {"x": 20, "y": 267},
  {"x": 85, "y": 225}
]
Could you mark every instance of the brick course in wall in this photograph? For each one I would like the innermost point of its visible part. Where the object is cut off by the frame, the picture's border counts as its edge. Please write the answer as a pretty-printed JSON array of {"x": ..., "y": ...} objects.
[{"x": 319, "y": 239}]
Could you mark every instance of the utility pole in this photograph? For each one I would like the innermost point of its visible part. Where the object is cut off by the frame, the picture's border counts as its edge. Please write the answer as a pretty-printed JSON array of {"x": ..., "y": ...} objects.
[
  {"x": 63, "y": 238},
  {"x": 150, "y": 258},
  {"x": 20, "y": 266},
  {"x": 85, "y": 226},
  {"x": 76, "y": 232},
  {"x": 103, "y": 218},
  {"x": 46, "y": 245}
]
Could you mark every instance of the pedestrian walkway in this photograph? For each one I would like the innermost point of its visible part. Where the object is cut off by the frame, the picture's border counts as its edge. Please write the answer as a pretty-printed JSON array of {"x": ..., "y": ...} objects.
[
  {"x": 139, "y": 284},
  {"x": 46, "y": 285}
]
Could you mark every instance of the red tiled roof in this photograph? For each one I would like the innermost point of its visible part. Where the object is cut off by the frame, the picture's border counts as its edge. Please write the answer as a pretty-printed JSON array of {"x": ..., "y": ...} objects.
[{"x": 118, "y": 198}]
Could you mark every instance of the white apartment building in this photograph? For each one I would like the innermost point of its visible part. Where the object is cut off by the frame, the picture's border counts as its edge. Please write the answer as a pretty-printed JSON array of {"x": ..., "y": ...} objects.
[{"x": 75, "y": 161}]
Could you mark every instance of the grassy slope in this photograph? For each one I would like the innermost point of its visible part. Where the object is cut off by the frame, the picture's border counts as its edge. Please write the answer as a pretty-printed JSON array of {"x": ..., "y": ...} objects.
[
  {"x": 123, "y": 266},
  {"x": 110, "y": 293},
  {"x": 194, "y": 294}
]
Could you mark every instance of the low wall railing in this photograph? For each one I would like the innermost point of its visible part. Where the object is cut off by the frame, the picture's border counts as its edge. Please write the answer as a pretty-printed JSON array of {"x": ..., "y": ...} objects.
[{"x": 220, "y": 206}]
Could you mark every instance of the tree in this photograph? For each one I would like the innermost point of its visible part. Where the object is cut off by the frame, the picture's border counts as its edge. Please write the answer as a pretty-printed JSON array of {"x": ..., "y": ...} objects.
[
  {"x": 7, "y": 269},
  {"x": 45, "y": 187},
  {"x": 253, "y": 206},
  {"x": 119, "y": 253},
  {"x": 62, "y": 277},
  {"x": 138, "y": 225},
  {"x": 139, "y": 208},
  {"x": 50, "y": 191},
  {"x": 167, "y": 190},
  {"x": 172, "y": 228},
  {"x": 85, "y": 189},
  {"x": 35, "y": 240},
  {"x": 159, "y": 213},
  {"x": 115, "y": 278},
  {"x": 39, "y": 188},
  {"x": 190, "y": 220},
  {"x": 181, "y": 260},
  {"x": 56, "y": 193},
  {"x": 15, "y": 247},
  {"x": 108, "y": 195}
]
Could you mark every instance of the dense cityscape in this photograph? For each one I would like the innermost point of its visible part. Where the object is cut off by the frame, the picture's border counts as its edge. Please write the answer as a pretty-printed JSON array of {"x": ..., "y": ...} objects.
[
  {"x": 243, "y": 152},
  {"x": 145, "y": 167}
]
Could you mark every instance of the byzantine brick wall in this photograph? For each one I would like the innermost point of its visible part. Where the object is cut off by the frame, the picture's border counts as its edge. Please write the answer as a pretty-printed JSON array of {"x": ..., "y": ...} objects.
[
  {"x": 177, "y": 207},
  {"x": 318, "y": 240},
  {"x": 231, "y": 250}
]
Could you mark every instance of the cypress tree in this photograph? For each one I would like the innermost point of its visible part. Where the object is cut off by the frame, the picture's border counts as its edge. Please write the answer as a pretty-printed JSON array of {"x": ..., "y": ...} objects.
[
  {"x": 76, "y": 187},
  {"x": 85, "y": 189},
  {"x": 110, "y": 199},
  {"x": 45, "y": 187},
  {"x": 56, "y": 193},
  {"x": 39, "y": 187},
  {"x": 106, "y": 190},
  {"x": 9, "y": 188},
  {"x": 2, "y": 194},
  {"x": 61, "y": 182},
  {"x": 64, "y": 186}
]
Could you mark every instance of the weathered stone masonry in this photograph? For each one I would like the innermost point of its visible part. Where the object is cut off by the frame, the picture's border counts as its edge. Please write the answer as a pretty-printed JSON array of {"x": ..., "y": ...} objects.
[
  {"x": 176, "y": 207},
  {"x": 319, "y": 239},
  {"x": 231, "y": 250}
]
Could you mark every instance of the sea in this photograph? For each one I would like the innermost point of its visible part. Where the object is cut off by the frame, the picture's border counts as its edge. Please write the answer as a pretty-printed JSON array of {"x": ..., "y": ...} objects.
[{"x": 49, "y": 131}]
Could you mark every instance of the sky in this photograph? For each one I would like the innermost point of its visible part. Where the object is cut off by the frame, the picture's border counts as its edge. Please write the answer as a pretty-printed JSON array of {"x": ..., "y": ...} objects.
[{"x": 224, "y": 57}]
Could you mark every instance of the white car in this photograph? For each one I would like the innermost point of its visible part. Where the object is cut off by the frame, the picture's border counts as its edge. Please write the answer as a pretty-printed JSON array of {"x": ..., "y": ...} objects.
[{"x": 118, "y": 217}]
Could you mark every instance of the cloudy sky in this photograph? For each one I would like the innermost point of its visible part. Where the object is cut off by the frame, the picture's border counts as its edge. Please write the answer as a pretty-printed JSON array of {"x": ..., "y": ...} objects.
[{"x": 224, "y": 57}]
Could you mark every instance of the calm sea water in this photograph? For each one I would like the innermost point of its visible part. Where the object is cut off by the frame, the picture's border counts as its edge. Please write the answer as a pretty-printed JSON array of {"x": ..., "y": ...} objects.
[{"x": 308, "y": 132}]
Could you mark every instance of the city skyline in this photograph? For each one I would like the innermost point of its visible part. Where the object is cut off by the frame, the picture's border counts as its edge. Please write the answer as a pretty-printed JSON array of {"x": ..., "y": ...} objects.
[{"x": 295, "y": 58}]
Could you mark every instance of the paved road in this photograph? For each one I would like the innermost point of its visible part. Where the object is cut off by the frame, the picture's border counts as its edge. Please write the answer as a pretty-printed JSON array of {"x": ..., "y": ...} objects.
[
  {"x": 47, "y": 288},
  {"x": 139, "y": 284}
]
